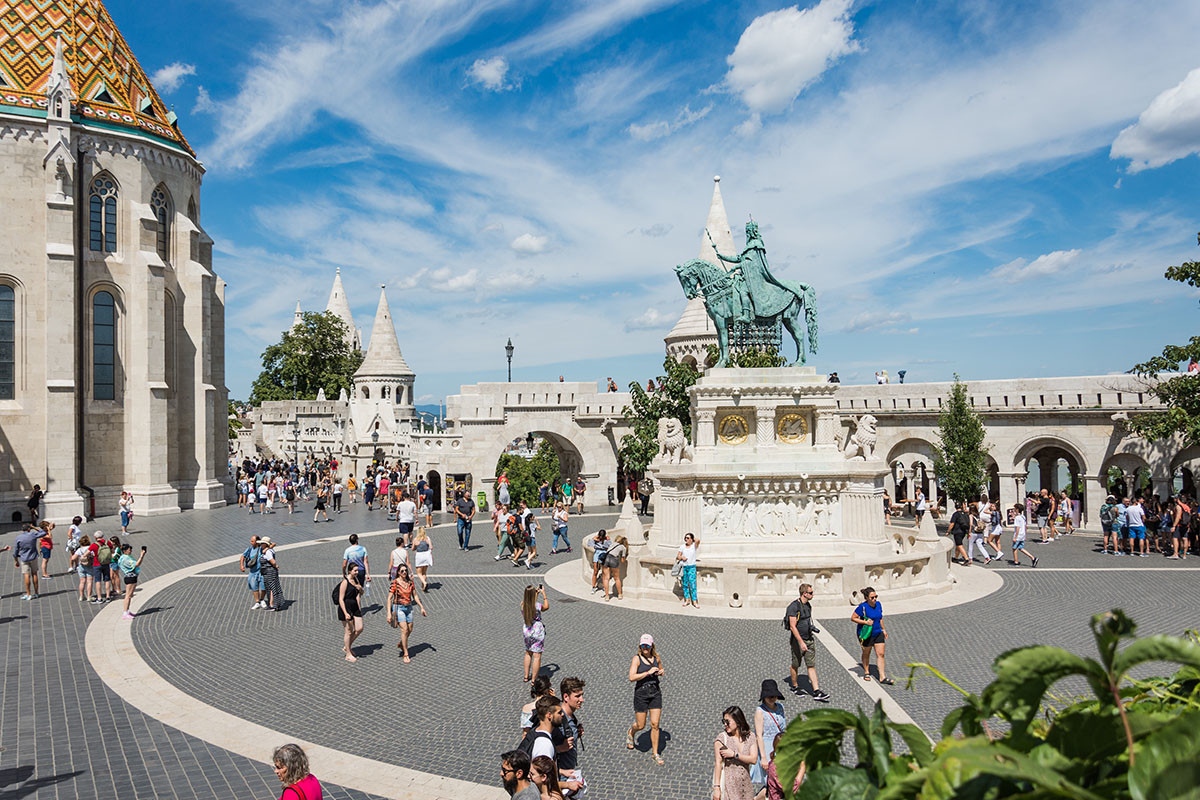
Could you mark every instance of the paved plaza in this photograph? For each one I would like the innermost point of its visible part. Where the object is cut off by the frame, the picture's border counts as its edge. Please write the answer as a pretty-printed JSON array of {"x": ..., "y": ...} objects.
[{"x": 205, "y": 687}]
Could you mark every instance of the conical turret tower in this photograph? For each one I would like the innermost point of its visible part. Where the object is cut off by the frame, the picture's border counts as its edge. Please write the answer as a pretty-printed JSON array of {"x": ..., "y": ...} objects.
[
  {"x": 385, "y": 376},
  {"x": 694, "y": 332},
  {"x": 340, "y": 306}
]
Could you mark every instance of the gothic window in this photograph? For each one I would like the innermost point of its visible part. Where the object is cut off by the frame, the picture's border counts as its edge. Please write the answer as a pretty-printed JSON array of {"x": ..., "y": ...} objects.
[
  {"x": 104, "y": 347},
  {"x": 191, "y": 212},
  {"x": 160, "y": 204},
  {"x": 366, "y": 393},
  {"x": 169, "y": 340},
  {"x": 102, "y": 215},
  {"x": 8, "y": 342},
  {"x": 384, "y": 392}
]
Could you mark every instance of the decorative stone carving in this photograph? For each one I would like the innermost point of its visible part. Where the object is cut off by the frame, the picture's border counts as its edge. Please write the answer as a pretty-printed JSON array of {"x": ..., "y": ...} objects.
[
  {"x": 860, "y": 446},
  {"x": 733, "y": 429},
  {"x": 672, "y": 444},
  {"x": 792, "y": 428},
  {"x": 819, "y": 515}
]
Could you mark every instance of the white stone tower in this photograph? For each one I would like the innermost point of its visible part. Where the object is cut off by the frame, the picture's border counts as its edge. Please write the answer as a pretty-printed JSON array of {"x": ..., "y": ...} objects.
[
  {"x": 691, "y": 336},
  {"x": 340, "y": 307}
]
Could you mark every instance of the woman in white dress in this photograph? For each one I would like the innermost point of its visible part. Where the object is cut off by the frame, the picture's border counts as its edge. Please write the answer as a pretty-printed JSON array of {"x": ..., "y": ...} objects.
[{"x": 423, "y": 557}]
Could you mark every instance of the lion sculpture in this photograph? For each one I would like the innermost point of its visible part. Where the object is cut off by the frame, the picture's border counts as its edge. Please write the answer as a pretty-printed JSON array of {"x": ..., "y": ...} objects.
[
  {"x": 672, "y": 444},
  {"x": 861, "y": 444}
]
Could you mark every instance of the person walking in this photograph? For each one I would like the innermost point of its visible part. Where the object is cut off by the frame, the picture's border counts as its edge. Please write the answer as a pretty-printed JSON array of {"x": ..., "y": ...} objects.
[
  {"x": 687, "y": 577},
  {"x": 423, "y": 557},
  {"x": 534, "y": 632},
  {"x": 345, "y": 596},
  {"x": 357, "y": 554},
  {"x": 645, "y": 489},
  {"x": 25, "y": 557},
  {"x": 464, "y": 515},
  {"x": 291, "y": 768},
  {"x": 979, "y": 529},
  {"x": 558, "y": 525},
  {"x": 600, "y": 545},
  {"x": 322, "y": 498},
  {"x": 46, "y": 546},
  {"x": 352, "y": 488},
  {"x": 251, "y": 564},
  {"x": 960, "y": 528},
  {"x": 569, "y": 738},
  {"x": 272, "y": 590},
  {"x": 406, "y": 516},
  {"x": 872, "y": 635},
  {"x": 769, "y": 722},
  {"x": 398, "y": 556},
  {"x": 130, "y": 570},
  {"x": 645, "y": 670},
  {"x": 803, "y": 643},
  {"x": 369, "y": 492},
  {"x": 1018, "y": 540},
  {"x": 734, "y": 750},
  {"x": 401, "y": 598}
]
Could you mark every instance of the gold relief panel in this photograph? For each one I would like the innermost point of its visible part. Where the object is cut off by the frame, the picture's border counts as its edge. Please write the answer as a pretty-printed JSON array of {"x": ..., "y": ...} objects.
[
  {"x": 792, "y": 428},
  {"x": 732, "y": 429}
]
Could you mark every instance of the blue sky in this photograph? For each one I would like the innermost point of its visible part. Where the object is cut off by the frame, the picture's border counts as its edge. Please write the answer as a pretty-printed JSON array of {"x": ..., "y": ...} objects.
[{"x": 987, "y": 188}]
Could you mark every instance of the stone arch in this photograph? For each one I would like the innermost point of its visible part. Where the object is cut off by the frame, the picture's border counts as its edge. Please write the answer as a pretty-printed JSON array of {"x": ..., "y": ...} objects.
[
  {"x": 1185, "y": 471},
  {"x": 434, "y": 478},
  {"x": 1123, "y": 473},
  {"x": 1031, "y": 446},
  {"x": 911, "y": 462}
]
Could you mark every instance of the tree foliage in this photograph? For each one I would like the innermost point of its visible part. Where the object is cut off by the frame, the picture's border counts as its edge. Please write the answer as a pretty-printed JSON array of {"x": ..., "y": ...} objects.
[
  {"x": 960, "y": 457},
  {"x": 525, "y": 475},
  {"x": 1134, "y": 739},
  {"x": 235, "y": 421},
  {"x": 750, "y": 358},
  {"x": 670, "y": 399},
  {"x": 309, "y": 357},
  {"x": 1181, "y": 393}
]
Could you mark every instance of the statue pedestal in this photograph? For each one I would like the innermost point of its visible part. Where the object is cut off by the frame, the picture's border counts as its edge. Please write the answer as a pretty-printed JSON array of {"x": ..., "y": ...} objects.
[{"x": 778, "y": 500}]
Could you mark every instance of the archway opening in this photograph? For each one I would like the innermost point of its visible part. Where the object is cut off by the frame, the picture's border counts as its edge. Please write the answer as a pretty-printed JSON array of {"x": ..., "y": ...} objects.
[
  {"x": 1056, "y": 470},
  {"x": 536, "y": 466},
  {"x": 435, "y": 483}
]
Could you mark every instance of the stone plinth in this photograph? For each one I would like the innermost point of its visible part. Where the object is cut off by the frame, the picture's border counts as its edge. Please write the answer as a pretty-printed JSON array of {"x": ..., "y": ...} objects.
[{"x": 776, "y": 501}]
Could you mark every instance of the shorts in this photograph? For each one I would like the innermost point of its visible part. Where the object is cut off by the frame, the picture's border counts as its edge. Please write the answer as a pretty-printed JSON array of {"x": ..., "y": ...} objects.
[
  {"x": 97, "y": 575},
  {"x": 27, "y": 567},
  {"x": 1107, "y": 528},
  {"x": 46, "y": 553},
  {"x": 255, "y": 581},
  {"x": 406, "y": 527},
  {"x": 876, "y": 638},
  {"x": 105, "y": 572},
  {"x": 808, "y": 657},
  {"x": 959, "y": 538},
  {"x": 82, "y": 571},
  {"x": 1018, "y": 545},
  {"x": 646, "y": 698},
  {"x": 1042, "y": 521},
  {"x": 1180, "y": 532},
  {"x": 403, "y": 613},
  {"x": 427, "y": 509},
  {"x": 131, "y": 580},
  {"x": 1137, "y": 531}
]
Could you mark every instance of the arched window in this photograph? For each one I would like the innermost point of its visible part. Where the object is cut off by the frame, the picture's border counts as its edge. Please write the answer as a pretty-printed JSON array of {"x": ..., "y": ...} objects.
[
  {"x": 191, "y": 212},
  {"x": 104, "y": 347},
  {"x": 160, "y": 204},
  {"x": 8, "y": 342},
  {"x": 102, "y": 214},
  {"x": 169, "y": 340},
  {"x": 366, "y": 393}
]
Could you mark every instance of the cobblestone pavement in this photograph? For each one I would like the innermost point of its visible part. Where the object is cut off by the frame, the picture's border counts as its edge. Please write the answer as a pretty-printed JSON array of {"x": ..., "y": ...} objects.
[{"x": 455, "y": 707}]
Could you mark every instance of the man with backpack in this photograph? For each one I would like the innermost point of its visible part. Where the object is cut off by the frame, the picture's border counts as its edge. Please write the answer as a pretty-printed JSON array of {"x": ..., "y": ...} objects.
[
  {"x": 249, "y": 563},
  {"x": 1108, "y": 518},
  {"x": 540, "y": 739},
  {"x": 802, "y": 642}
]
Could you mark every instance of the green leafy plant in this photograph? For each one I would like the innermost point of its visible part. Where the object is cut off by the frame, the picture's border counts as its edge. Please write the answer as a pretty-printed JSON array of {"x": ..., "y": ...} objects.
[
  {"x": 960, "y": 456},
  {"x": 669, "y": 399},
  {"x": 1132, "y": 738},
  {"x": 310, "y": 356}
]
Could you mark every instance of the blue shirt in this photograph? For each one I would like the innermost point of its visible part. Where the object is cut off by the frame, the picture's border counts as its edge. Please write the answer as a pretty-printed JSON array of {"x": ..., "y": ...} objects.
[
  {"x": 356, "y": 554},
  {"x": 864, "y": 611},
  {"x": 252, "y": 553},
  {"x": 25, "y": 548}
]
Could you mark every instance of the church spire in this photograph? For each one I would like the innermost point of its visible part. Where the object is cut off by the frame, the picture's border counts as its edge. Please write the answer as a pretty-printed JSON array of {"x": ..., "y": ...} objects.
[
  {"x": 383, "y": 359},
  {"x": 717, "y": 226},
  {"x": 297, "y": 316},
  {"x": 340, "y": 307}
]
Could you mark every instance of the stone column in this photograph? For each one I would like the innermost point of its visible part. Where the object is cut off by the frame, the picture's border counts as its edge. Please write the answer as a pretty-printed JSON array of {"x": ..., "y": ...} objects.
[
  {"x": 932, "y": 499},
  {"x": 764, "y": 426},
  {"x": 1096, "y": 492},
  {"x": 1008, "y": 487},
  {"x": 827, "y": 428},
  {"x": 705, "y": 433},
  {"x": 1047, "y": 467}
]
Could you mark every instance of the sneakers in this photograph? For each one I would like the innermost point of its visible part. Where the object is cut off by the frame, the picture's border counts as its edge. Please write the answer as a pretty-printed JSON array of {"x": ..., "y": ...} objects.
[
  {"x": 497, "y": 558},
  {"x": 257, "y": 606},
  {"x": 1143, "y": 555},
  {"x": 128, "y": 615},
  {"x": 1035, "y": 561},
  {"x": 1173, "y": 558},
  {"x": 820, "y": 696},
  {"x": 999, "y": 557},
  {"x": 24, "y": 597}
]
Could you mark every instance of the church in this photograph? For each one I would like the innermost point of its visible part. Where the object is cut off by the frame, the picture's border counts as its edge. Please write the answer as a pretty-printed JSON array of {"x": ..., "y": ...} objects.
[{"x": 112, "y": 321}]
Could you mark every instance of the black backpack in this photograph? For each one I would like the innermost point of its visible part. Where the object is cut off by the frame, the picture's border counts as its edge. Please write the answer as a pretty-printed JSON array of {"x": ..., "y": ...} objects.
[{"x": 526, "y": 745}]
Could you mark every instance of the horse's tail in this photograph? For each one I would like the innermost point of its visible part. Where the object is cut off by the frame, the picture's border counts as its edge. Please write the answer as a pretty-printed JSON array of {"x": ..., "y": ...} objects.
[{"x": 810, "y": 316}]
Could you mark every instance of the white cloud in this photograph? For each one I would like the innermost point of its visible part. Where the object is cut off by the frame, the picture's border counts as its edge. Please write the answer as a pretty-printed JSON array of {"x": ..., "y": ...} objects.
[
  {"x": 171, "y": 76},
  {"x": 529, "y": 245},
  {"x": 661, "y": 129},
  {"x": 749, "y": 126},
  {"x": 490, "y": 73},
  {"x": 1049, "y": 264},
  {"x": 648, "y": 320},
  {"x": 874, "y": 320},
  {"x": 1168, "y": 130},
  {"x": 204, "y": 102},
  {"x": 594, "y": 19},
  {"x": 782, "y": 52},
  {"x": 657, "y": 229}
]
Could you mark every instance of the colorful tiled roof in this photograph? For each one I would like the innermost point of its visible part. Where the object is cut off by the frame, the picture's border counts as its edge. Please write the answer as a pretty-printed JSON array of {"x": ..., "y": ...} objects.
[{"x": 110, "y": 86}]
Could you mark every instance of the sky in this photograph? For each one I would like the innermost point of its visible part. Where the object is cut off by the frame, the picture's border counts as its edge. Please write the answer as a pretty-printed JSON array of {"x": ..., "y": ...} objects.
[{"x": 987, "y": 189}]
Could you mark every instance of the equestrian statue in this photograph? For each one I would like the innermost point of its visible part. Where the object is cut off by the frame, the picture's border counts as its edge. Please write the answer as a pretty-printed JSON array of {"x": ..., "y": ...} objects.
[{"x": 748, "y": 293}]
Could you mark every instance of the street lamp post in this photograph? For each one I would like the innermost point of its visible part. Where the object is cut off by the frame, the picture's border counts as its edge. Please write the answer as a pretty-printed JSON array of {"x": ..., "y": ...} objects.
[
  {"x": 374, "y": 444},
  {"x": 508, "y": 349},
  {"x": 296, "y": 446}
]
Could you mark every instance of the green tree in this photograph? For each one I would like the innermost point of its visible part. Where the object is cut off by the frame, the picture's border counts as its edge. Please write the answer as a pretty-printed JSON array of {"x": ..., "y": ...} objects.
[
  {"x": 960, "y": 457},
  {"x": 1181, "y": 393},
  {"x": 1132, "y": 739},
  {"x": 311, "y": 356},
  {"x": 670, "y": 400},
  {"x": 751, "y": 358},
  {"x": 235, "y": 421},
  {"x": 525, "y": 475}
]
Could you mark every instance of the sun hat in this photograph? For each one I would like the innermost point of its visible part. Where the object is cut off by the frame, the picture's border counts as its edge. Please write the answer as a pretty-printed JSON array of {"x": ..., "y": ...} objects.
[{"x": 648, "y": 640}]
